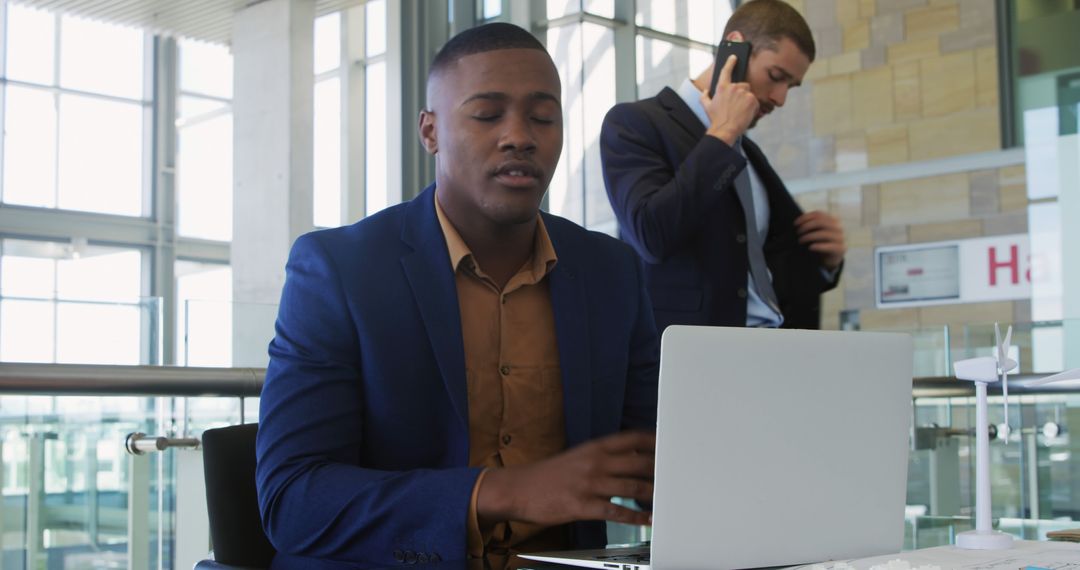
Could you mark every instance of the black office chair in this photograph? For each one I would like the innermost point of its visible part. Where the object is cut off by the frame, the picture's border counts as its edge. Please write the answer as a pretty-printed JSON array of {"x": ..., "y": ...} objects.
[{"x": 235, "y": 527}]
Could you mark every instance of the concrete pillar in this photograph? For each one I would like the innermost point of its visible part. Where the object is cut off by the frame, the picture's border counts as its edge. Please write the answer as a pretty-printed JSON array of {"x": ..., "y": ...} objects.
[
  {"x": 272, "y": 162},
  {"x": 1069, "y": 199}
]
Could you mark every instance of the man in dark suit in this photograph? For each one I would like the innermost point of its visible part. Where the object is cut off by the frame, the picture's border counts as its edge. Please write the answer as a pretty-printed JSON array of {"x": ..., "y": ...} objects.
[
  {"x": 724, "y": 242},
  {"x": 459, "y": 376}
]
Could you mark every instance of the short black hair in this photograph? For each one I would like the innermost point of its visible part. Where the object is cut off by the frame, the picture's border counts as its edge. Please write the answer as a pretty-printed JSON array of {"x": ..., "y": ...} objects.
[{"x": 488, "y": 37}]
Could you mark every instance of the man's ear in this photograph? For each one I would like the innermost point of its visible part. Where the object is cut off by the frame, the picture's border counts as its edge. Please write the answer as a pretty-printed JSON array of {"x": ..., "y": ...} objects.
[
  {"x": 428, "y": 134},
  {"x": 734, "y": 36}
]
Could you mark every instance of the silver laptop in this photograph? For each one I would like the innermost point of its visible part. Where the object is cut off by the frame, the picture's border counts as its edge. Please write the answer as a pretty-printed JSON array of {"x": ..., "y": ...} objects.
[{"x": 774, "y": 448}]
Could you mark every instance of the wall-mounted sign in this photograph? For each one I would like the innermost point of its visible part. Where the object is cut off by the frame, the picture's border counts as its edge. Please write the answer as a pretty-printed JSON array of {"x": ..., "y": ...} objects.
[{"x": 964, "y": 271}]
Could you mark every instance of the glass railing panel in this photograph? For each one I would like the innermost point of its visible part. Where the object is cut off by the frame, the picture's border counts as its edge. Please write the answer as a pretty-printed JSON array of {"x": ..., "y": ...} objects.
[
  {"x": 67, "y": 483},
  {"x": 225, "y": 334},
  {"x": 70, "y": 331}
]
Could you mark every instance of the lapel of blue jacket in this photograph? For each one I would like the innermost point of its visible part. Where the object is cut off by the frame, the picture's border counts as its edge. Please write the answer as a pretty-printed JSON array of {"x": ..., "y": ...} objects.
[
  {"x": 680, "y": 113},
  {"x": 431, "y": 277},
  {"x": 567, "y": 285}
]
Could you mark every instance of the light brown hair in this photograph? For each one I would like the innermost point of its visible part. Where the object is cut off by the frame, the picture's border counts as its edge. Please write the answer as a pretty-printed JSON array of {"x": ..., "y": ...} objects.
[{"x": 765, "y": 22}]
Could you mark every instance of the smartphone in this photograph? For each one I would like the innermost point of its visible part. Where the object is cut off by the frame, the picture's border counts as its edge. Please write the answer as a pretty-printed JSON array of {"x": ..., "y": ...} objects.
[{"x": 741, "y": 50}]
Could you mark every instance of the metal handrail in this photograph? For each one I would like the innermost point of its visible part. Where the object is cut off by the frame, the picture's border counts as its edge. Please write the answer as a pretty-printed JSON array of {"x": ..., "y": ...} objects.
[{"x": 116, "y": 380}]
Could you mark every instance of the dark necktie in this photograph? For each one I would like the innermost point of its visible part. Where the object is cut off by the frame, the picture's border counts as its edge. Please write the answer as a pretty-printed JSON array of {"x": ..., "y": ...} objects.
[{"x": 755, "y": 243}]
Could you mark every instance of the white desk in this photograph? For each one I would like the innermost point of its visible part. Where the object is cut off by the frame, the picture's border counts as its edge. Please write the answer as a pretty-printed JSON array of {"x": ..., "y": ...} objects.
[{"x": 1025, "y": 553}]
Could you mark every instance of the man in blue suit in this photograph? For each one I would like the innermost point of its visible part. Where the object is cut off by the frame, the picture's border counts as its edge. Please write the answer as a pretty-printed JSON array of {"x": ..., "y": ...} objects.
[
  {"x": 461, "y": 376},
  {"x": 723, "y": 240}
]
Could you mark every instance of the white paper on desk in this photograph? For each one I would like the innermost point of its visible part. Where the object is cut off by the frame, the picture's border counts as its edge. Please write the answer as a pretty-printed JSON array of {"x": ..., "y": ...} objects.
[{"x": 1049, "y": 555}]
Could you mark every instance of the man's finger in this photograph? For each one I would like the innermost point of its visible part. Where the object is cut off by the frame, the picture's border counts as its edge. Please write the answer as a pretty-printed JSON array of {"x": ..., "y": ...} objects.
[
  {"x": 628, "y": 441},
  {"x": 627, "y": 487},
  {"x": 639, "y": 465},
  {"x": 602, "y": 510},
  {"x": 726, "y": 71},
  {"x": 831, "y": 236}
]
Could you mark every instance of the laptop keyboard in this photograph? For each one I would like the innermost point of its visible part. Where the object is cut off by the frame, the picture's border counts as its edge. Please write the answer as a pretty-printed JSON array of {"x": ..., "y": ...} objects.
[{"x": 628, "y": 558}]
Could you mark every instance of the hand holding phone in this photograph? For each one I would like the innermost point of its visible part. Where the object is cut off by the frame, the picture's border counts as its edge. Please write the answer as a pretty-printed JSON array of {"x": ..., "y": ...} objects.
[
  {"x": 731, "y": 105},
  {"x": 726, "y": 49}
]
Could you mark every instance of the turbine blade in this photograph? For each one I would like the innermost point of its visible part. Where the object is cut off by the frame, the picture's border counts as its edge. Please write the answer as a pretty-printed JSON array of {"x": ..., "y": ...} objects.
[{"x": 1073, "y": 374}]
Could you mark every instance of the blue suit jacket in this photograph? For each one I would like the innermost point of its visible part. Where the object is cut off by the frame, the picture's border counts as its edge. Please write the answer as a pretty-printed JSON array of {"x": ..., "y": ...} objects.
[
  {"x": 363, "y": 444},
  {"x": 672, "y": 189}
]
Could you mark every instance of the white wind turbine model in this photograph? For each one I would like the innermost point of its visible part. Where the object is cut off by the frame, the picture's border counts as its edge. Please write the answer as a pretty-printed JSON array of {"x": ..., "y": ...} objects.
[{"x": 982, "y": 371}]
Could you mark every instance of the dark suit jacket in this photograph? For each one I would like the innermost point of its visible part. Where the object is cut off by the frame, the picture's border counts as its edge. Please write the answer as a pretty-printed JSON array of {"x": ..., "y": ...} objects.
[
  {"x": 363, "y": 443},
  {"x": 673, "y": 192}
]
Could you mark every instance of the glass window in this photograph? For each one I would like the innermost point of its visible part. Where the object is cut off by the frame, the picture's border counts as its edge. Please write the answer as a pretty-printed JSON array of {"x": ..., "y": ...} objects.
[
  {"x": 375, "y": 159},
  {"x": 79, "y": 147},
  {"x": 31, "y": 43},
  {"x": 699, "y": 20},
  {"x": 29, "y": 147},
  {"x": 101, "y": 58},
  {"x": 204, "y": 314},
  {"x": 205, "y": 69},
  {"x": 1045, "y": 62},
  {"x": 577, "y": 189},
  {"x": 605, "y": 8},
  {"x": 663, "y": 64},
  {"x": 560, "y": 8},
  {"x": 100, "y": 155},
  {"x": 491, "y": 8},
  {"x": 327, "y": 144},
  {"x": 55, "y": 297},
  {"x": 327, "y": 42},
  {"x": 375, "y": 28},
  {"x": 204, "y": 162}
]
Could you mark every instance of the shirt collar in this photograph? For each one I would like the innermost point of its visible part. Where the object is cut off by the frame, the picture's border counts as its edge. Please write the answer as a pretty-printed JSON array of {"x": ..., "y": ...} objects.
[
  {"x": 543, "y": 257},
  {"x": 691, "y": 95}
]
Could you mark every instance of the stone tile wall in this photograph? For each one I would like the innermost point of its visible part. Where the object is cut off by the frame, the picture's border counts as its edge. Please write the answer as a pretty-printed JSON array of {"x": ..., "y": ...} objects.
[{"x": 898, "y": 81}]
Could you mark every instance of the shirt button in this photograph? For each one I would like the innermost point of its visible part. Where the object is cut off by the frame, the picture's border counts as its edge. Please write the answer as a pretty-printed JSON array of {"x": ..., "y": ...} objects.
[
  {"x": 740, "y": 238},
  {"x": 506, "y": 439},
  {"x": 505, "y": 370},
  {"x": 741, "y": 293}
]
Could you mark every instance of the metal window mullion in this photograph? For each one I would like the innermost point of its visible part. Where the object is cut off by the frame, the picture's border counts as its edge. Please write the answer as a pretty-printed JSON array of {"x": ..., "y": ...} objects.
[
  {"x": 57, "y": 32},
  {"x": 79, "y": 92},
  {"x": 3, "y": 98},
  {"x": 680, "y": 41},
  {"x": 354, "y": 115},
  {"x": 165, "y": 138},
  {"x": 185, "y": 93}
]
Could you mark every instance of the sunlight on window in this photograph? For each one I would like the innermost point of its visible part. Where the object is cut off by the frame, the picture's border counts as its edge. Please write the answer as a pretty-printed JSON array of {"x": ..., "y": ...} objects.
[
  {"x": 565, "y": 191},
  {"x": 26, "y": 331},
  {"x": 376, "y": 138},
  {"x": 205, "y": 178},
  {"x": 100, "y": 156},
  {"x": 29, "y": 147},
  {"x": 72, "y": 303},
  {"x": 204, "y": 314},
  {"x": 81, "y": 338},
  {"x": 492, "y": 8},
  {"x": 375, "y": 28},
  {"x": 559, "y": 8},
  {"x": 204, "y": 158},
  {"x": 31, "y": 44},
  {"x": 27, "y": 277},
  {"x": 577, "y": 190},
  {"x": 101, "y": 58},
  {"x": 327, "y": 42},
  {"x": 100, "y": 274},
  {"x": 206, "y": 69},
  {"x": 327, "y": 160}
]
